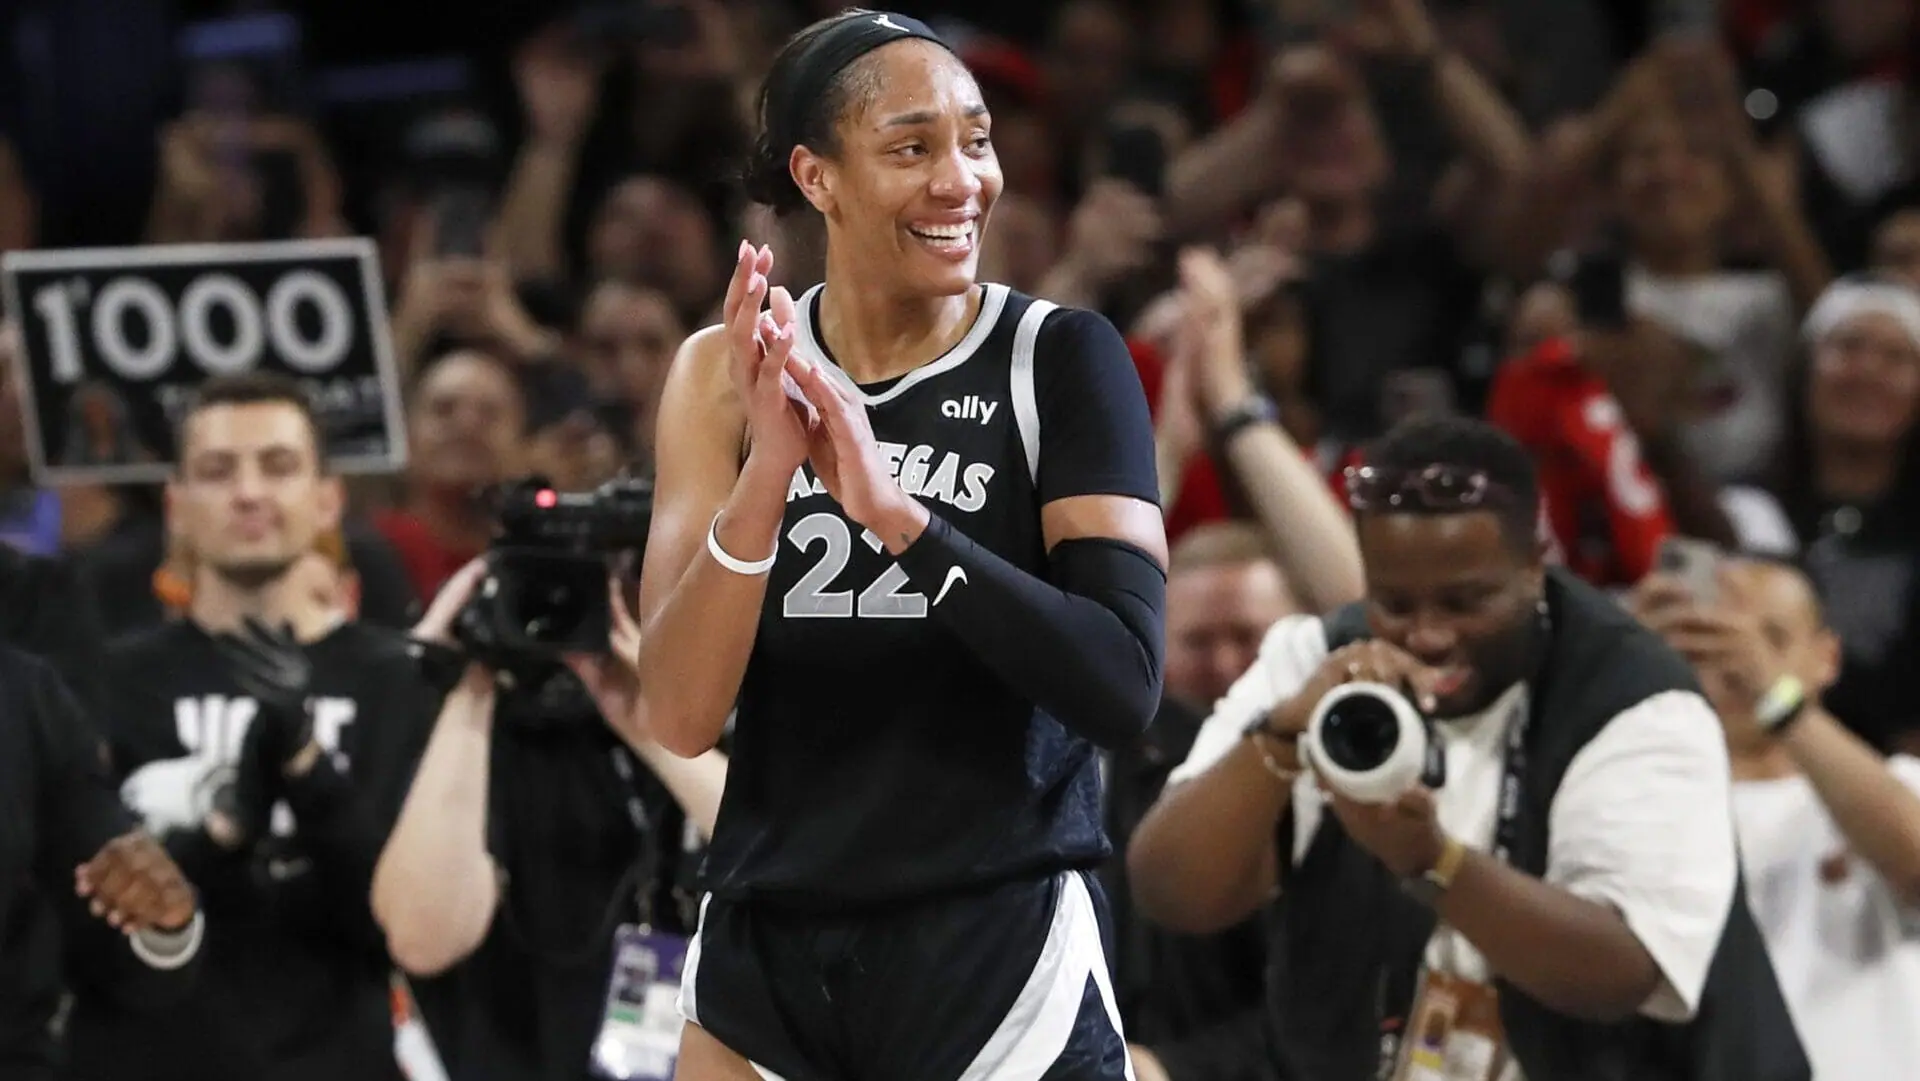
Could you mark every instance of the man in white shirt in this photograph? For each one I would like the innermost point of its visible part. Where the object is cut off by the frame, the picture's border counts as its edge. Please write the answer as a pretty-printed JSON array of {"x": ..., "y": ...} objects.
[
  {"x": 1829, "y": 831},
  {"x": 1576, "y": 869}
]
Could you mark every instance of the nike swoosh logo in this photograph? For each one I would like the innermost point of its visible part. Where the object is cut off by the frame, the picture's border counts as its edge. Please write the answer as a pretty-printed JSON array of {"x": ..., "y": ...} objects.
[{"x": 954, "y": 574}]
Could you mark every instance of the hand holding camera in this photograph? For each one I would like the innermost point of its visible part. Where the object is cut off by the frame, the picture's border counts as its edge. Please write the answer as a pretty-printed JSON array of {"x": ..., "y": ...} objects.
[{"x": 1360, "y": 730}]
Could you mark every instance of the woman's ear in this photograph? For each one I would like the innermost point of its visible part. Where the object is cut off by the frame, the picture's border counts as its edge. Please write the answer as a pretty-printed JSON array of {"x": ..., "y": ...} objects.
[{"x": 814, "y": 176}]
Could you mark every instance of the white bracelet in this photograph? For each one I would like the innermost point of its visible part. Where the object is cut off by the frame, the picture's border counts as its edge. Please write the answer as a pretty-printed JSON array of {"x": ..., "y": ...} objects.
[{"x": 738, "y": 566}]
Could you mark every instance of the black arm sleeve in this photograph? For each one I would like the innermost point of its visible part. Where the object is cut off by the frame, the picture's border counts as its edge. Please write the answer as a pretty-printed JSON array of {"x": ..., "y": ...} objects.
[{"x": 1087, "y": 645}]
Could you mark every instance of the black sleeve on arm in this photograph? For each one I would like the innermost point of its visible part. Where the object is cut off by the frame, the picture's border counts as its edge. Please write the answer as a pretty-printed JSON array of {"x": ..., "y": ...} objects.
[{"x": 1087, "y": 645}]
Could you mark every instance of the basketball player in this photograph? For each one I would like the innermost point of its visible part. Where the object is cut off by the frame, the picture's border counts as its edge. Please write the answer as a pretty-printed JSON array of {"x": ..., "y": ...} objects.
[{"x": 909, "y": 521}]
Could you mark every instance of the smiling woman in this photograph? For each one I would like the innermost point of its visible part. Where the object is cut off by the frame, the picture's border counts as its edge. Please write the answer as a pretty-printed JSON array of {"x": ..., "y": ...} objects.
[{"x": 929, "y": 570}]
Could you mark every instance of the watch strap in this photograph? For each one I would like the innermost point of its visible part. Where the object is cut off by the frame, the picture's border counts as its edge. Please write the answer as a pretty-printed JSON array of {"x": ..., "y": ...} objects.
[
  {"x": 1249, "y": 411},
  {"x": 1427, "y": 886}
]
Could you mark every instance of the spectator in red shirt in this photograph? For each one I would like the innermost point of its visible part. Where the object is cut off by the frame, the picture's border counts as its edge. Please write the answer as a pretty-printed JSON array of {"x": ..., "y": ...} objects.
[
  {"x": 466, "y": 421},
  {"x": 1606, "y": 510}
]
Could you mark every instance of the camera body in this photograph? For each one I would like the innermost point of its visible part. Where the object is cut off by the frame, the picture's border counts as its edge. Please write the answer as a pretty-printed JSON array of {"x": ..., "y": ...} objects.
[
  {"x": 545, "y": 594},
  {"x": 1370, "y": 744}
]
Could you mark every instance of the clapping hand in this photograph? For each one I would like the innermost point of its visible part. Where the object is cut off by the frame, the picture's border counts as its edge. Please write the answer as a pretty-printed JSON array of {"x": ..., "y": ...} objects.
[
  {"x": 134, "y": 885},
  {"x": 271, "y": 666},
  {"x": 760, "y": 343},
  {"x": 847, "y": 458}
]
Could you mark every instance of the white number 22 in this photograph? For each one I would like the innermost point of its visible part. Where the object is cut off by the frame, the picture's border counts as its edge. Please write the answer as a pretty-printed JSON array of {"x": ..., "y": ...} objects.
[{"x": 810, "y": 599}]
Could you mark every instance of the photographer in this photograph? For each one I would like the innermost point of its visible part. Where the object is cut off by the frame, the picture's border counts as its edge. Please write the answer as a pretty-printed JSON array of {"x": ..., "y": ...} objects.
[
  {"x": 531, "y": 830},
  {"x": 265, "y": 738},
  {"x": 1554, "y": 889}
]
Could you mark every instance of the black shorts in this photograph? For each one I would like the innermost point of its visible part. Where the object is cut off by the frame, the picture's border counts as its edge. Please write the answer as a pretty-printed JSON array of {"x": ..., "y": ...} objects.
[{"x": 1010, "y": 984}]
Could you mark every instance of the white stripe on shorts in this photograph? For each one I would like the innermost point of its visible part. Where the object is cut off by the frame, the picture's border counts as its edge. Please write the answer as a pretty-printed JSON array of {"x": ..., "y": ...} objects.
[{"x": 1037, "y": 1028}]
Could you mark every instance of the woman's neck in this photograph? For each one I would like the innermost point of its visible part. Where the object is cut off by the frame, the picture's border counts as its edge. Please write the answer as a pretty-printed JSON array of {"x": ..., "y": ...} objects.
[
  {"x": 1850, "y": 471},
  {"x": 874, "y": 336}
]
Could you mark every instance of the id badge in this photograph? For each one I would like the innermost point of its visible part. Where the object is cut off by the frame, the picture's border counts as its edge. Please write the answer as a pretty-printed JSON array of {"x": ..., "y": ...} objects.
[
  {"x": 640, "y": 1031},
  {"x": 1454, "y": 1032}
]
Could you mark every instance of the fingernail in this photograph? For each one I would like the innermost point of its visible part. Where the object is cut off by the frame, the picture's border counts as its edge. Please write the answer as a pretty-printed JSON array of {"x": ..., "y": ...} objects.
[
  {"x": 744, "y": 248},
  {"x": 803, "y": 364}
]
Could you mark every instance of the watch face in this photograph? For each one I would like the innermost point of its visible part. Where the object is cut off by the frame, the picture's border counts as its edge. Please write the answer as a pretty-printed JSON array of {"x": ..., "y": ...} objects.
[{"x": 1422, "y": 889}]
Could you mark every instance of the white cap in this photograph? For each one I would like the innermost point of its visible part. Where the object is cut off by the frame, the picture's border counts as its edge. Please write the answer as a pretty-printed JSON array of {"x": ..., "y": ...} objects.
[{"x": 1848, "y": 299}]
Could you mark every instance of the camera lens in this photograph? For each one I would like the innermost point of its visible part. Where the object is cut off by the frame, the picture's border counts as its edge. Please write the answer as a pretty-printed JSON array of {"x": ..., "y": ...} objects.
[{"x": 1359, "y": 733}]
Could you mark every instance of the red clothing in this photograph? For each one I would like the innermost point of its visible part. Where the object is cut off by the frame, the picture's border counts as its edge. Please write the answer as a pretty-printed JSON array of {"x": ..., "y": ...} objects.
[
  {"x": 1606, "y": 510},
  {"x": 1202, "y": 496},
  {"x": 428, "y": 562}
]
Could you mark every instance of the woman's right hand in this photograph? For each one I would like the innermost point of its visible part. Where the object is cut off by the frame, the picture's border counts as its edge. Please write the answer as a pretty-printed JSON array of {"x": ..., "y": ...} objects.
[{"x": 758, "y": 345}]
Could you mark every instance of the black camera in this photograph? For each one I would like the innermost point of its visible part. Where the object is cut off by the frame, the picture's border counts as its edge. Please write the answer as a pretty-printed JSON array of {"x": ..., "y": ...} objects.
[
  {"x": 1370, "y": 744},
  {"x": 545, "y": 594}
]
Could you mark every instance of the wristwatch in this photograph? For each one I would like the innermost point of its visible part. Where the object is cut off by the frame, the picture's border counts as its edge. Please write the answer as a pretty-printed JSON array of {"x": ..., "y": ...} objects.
[
  {"x": 1784, "y": 703},
  {"x": 1251, "y": 410},
  {"x": 1427, "y": 886}
]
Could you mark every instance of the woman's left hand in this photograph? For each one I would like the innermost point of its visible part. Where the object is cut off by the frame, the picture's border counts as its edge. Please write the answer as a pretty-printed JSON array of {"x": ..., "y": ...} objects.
[
  {"x": 613, "y": 677},
  {"x": 847, "y": 459}
]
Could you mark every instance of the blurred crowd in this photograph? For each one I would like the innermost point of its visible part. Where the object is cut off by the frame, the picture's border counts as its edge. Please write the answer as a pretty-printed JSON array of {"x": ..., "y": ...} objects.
[{"x": 1672, "y": 250}]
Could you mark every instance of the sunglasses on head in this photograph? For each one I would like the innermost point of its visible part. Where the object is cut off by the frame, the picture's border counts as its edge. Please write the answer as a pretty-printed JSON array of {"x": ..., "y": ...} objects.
[{"x": 1434, "y": 488}]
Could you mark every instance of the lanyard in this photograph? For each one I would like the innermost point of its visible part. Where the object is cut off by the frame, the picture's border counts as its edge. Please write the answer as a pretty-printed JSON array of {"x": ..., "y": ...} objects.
[
  {"x": 1513, "y": 772},
  {"x": 646, "y": 862},
  {"x": 638, "y": 878}
]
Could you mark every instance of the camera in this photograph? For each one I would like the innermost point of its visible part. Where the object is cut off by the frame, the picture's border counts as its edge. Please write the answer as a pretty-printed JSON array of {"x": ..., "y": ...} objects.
[
  {"x": 1370, "y": 744},
  {"x": 545, "y": 594}
]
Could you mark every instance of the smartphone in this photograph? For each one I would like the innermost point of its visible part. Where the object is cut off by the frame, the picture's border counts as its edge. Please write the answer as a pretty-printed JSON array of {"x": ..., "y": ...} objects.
[
  {"x": 460, "y": 220},
  {"x": 1696, "y": 563},
  {"x": 1599, "y": 288},
  {"x": 1136, "y": 154}
]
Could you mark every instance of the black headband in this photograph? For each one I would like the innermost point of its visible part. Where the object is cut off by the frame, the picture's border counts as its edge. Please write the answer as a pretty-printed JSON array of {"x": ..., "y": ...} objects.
[{"x": 806, "y": 79}]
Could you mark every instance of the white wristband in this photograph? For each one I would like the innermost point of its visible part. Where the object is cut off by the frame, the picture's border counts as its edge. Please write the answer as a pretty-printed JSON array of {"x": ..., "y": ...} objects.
[
  {"x": 169, "y": 950},
  {"x": 737, "y": 566}
]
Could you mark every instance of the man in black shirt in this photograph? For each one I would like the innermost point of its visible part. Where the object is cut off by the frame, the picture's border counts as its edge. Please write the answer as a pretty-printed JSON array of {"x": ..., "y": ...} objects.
[
  {"x": 66, "y": 843},
  {"x": 267, "y": 739},
  {"x": 531, "y": 830}
]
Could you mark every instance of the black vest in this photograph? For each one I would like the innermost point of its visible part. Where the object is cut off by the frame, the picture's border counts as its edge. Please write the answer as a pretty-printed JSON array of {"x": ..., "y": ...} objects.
[{"x": 1347, "y": 943}]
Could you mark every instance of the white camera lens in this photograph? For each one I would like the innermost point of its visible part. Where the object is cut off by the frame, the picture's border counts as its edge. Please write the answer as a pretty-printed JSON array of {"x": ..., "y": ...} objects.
[{"x": 1367, "y": 742}]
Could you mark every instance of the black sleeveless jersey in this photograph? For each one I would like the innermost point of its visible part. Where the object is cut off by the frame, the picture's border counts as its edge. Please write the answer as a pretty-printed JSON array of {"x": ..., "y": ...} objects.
[{"x": 874, "y": 758}]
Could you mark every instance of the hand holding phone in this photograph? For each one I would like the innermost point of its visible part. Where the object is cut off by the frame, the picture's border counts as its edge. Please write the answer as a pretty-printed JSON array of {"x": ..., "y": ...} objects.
[
  {"x": 461, "y": 218},
  {"x": 1695, "y": 563}
]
